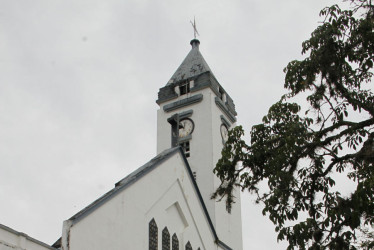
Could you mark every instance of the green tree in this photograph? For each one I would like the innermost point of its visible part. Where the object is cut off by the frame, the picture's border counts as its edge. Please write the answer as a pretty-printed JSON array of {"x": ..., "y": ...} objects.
[{"x": 301, "y": 150}]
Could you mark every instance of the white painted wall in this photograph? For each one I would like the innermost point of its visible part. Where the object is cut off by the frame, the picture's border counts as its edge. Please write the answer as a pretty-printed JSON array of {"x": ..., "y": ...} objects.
[
  {"x": 228, "y": 226},
  {"x": 165, "y": 194},
  {"x": 11, "y": 240},
  {"x": 205, "y": 146}
]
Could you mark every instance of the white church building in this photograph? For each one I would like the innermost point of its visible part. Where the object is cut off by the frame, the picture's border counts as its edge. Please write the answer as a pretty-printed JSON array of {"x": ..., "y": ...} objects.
[{"x": 165, "y": 204}]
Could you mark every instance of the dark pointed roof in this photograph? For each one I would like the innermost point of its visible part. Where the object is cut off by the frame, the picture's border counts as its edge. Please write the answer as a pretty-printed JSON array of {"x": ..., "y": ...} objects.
[{"x": 193, "y": 65}]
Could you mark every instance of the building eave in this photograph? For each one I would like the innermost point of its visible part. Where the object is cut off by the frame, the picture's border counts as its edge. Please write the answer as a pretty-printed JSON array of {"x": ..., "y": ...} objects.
[{"x": 10, "y": 230}]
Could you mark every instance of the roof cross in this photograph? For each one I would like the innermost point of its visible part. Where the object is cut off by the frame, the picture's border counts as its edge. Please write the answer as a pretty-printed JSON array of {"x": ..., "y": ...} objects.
[{"x": 194, "y": 28}]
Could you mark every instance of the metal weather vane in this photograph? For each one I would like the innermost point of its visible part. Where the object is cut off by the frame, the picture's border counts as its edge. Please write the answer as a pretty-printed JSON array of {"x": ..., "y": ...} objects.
[{"x": 194, "y": 28}]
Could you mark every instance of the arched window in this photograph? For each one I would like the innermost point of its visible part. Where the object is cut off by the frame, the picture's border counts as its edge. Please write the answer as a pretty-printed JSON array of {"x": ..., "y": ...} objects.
[
  {"x": 153, "y": 235},
  {"x": 188, "y": 246},
  {"x": 175, "y": 242},
  {"x": 165, "y": 239}
]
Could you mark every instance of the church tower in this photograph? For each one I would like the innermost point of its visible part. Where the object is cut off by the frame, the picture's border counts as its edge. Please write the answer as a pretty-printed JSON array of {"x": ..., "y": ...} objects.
[{"x": 196, "y": 114}]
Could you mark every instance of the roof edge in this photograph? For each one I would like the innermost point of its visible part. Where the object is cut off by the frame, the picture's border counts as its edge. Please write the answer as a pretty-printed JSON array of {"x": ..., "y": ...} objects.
[
  {"x": 223, "y": 245},
  {"x": 11, "y": 230},
  {"x": 124, "y": 183},
  {"x": 219, "y": 242}
]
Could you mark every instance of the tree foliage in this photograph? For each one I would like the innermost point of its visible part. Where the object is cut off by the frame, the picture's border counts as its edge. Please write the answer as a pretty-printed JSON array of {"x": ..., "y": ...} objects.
[
  {"x": 365, "y": 240},
  {"x": 300, "y": 150}
]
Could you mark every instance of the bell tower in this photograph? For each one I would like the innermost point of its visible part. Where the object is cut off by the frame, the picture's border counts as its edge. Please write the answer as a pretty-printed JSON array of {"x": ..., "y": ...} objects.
[{"x": 196, "y": 114}]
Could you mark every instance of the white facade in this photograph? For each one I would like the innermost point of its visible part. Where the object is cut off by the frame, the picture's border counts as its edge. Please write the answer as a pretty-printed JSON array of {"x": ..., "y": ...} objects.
[
  {"x": 205, "y": 150},
  {"x": 14, "y": 240},
  {"x": 162, "y": 190}
]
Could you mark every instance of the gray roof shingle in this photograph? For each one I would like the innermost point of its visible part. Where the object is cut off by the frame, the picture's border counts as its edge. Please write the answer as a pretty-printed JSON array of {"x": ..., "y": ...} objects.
[{"x": 193, "y": 65}]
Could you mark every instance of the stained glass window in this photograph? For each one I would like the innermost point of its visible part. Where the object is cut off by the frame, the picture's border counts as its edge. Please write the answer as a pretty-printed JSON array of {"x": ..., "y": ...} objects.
[
  {"x": 153, "y": 235},
  {"x": 175, "y": 242},
  {"x": 188, "y": 246},
  {"x": 165, "y": 239}
]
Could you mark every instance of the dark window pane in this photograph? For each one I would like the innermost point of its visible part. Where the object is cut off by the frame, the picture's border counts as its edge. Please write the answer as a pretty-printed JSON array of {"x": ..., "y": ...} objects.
[
  {"x": 175, "y": 242},
  {"x": 165, "y": 239},
  {"x": 184, "y": 88},
  {"x": 188, "y": 246},
  {"x": 153, "y": 235}
]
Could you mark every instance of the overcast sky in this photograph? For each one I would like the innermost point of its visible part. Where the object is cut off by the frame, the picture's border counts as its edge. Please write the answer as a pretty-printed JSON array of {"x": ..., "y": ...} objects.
[{"x": 79, "y": 80}]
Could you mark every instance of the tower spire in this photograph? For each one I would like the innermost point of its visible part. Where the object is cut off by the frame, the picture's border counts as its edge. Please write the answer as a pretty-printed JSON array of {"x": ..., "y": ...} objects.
[{"x": 194, "y": 28}]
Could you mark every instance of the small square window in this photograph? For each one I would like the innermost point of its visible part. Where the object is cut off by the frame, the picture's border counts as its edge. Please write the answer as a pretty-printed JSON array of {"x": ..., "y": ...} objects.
[
  {"x": 223, "y": 94},
  {"x": 184, "y": 88}
]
